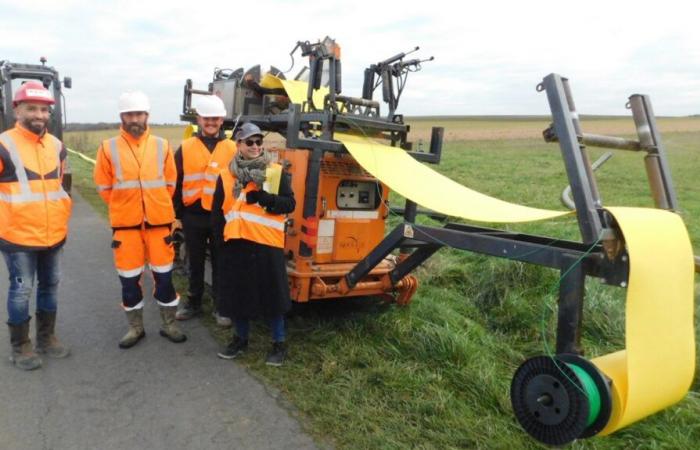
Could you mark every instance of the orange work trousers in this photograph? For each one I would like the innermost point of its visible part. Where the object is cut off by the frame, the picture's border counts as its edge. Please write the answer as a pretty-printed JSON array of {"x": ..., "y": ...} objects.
[{"x": 133, "y": 248}]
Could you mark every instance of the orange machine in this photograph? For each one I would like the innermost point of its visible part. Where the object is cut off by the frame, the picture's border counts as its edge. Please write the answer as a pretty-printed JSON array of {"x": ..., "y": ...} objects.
[
  {"x": 350, "y": 217},
  {"x": 341, "y": 209}
]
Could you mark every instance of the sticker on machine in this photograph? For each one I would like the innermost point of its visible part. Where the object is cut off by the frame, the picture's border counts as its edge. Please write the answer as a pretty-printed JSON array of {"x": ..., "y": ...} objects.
[
  {"x": 362, "y": 215},
  {"x": 326, "y": 231},
  {"x": 324, "y": 245}
]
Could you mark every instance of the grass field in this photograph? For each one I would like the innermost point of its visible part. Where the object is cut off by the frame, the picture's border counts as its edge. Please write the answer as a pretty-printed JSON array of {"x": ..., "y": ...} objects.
[{"x": 436, "y": 374}]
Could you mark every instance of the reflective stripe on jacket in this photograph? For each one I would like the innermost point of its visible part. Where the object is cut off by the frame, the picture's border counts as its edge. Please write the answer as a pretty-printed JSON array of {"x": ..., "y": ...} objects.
[
  {"x": 251, "y": 222},
  {"x": 136, "y": 178},
  {"x": 201, "y": 169},
  {"x": 34, "y": 208}
]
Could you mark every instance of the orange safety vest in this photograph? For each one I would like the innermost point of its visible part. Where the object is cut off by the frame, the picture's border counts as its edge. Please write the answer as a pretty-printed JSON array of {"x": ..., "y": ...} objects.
[
  {"x": 136, "y": 178},
  {"x": 34, "y": 208},
  {"x": 201, "y": 169},
  {"x": 251, "y": 222}
]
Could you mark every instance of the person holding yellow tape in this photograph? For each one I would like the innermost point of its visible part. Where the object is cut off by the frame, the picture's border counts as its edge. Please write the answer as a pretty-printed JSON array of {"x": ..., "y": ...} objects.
[{"x": 250, "y": 202}]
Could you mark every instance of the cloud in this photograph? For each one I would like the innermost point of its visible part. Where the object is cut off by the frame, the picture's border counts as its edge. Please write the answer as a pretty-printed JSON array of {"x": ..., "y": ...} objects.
[{"x": 489, "y": 55}]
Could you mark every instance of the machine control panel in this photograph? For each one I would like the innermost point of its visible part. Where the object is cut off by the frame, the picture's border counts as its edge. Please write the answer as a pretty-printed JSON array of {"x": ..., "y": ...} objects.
[{"x": 357, "y": 194}]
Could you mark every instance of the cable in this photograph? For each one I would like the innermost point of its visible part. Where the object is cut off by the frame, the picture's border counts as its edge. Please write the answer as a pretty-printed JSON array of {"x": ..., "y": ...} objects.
[{"x": 547, "y": 350}]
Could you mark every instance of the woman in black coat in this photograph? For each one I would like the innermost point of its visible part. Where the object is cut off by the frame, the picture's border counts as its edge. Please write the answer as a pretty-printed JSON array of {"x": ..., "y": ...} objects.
[{"x": 252, "y": 276}]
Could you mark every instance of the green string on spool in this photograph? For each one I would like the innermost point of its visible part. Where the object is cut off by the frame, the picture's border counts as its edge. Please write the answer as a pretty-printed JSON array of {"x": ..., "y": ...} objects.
[{"x": 591, "y": 392}]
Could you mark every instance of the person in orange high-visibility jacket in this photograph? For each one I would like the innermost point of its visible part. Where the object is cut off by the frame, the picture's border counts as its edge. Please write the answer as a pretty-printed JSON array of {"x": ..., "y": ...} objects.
[
  {"x": 248, "y": 219},
  {"x": 135, "y": 175},
  {"x": 34, "y": 213},
  {"x": 199, "y": 161}
]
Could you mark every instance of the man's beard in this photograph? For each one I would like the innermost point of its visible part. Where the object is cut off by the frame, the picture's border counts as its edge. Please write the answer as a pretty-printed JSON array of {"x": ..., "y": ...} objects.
[
  {"x": 37, "y": 127},
  {"x": 135, "y": 129}
]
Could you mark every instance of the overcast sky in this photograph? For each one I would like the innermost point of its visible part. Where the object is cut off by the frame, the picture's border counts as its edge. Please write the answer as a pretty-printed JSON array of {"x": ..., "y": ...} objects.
[{"x": 489, "y": 55}]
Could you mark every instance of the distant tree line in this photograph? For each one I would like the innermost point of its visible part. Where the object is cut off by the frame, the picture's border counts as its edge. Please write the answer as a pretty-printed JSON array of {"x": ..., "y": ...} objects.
[{"x": 76, "y": 126}]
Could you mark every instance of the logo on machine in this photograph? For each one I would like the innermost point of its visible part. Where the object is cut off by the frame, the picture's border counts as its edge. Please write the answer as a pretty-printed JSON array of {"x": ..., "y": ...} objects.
[{"x": 350, "y": 243}]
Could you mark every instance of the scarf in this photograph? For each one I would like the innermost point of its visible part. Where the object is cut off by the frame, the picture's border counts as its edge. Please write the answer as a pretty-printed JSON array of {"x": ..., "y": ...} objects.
[{"x": 247, "y": 170}]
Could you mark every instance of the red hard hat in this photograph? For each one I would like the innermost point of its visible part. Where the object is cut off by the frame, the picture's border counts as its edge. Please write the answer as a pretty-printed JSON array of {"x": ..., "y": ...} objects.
[{"x": 33, "y": 91}]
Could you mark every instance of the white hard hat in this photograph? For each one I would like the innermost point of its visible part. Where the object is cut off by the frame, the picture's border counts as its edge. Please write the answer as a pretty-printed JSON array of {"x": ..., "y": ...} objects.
[
  {"x": 210, "y": 106},
  {"x": 134, "y": 101}
]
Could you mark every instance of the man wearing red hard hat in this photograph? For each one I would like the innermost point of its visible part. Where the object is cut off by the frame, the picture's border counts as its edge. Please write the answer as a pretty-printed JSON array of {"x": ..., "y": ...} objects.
[{"x": 34, "y": 213}]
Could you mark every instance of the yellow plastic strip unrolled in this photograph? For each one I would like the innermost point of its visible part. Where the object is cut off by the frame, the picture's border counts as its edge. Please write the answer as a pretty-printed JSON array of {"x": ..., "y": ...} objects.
[
  {"x": 297, "y": 92},
  {"x": 656, "y": 368},
  {"x": 415, "y": 181}
]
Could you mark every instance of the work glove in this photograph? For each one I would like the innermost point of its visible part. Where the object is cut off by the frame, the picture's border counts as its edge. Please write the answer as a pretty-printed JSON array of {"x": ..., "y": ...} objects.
[
  {"x": 178, "y": 236},
  {"x": 260, "y": 197}
]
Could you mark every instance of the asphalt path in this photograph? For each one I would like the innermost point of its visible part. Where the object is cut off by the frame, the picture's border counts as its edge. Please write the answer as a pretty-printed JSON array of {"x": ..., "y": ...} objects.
[{"x": 156, "y": 395}]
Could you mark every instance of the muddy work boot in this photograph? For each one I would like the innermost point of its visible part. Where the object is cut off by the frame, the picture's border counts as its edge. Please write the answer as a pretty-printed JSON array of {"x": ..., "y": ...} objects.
[
  {"x": 168, "y": 329},
  {"x": 22, "y": 354},
  {"x": 135, "y": 333},
  {"x": 46, "y": 341}
]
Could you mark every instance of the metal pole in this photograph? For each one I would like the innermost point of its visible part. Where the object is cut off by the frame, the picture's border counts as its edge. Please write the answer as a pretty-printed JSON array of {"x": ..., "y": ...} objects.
[
  {"x": 584, "y": 153},
  {"x": 586, "y": 207},
  {"x": 570, "y": 311},
  {"x": 658, "y": 170}
]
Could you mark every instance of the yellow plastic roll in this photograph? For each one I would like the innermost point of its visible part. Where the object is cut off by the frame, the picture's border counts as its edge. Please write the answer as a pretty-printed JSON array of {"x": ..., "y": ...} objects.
[
  {"x": 273, "y": 174},
  {"x": 415, "y": 181},
  {"x": 656, "y": 368},
  {"x": 270, "y": 81}
]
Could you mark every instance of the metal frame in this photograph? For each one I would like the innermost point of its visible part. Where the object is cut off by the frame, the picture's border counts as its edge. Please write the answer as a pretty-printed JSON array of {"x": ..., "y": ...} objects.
[
  {"x": 574, "y": 260},
  {"x": 310, "y": 129}
]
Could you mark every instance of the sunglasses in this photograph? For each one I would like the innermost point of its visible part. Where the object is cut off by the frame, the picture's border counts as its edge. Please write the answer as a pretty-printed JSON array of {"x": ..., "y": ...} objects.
[{"x": 252, "y": 142}]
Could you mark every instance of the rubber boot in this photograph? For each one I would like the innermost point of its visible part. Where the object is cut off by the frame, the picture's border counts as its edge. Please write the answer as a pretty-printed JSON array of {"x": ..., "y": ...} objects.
[
  {"x": 22, "y": 354},
  {"x": 46, "y": 341},
  {"x": 135, "y": 333},
  {"x": 168, "y": 329}
]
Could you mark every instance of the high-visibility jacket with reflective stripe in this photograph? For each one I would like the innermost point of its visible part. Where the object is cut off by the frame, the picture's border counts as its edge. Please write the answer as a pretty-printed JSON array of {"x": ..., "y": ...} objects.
[
  {"x": 251, "y": 222},
  {"x": 201, "y": 169},
  {"x": 34, "y": 208},
  {"x": 136, "y": 178}
]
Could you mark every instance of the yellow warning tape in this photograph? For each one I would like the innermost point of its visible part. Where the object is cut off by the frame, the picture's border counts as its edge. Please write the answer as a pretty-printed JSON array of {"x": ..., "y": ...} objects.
[{"x": 86, "y": 158}]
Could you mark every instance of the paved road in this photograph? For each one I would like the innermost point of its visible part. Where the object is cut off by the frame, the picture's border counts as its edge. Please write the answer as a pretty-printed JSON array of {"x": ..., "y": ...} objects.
[{"x": 157, "y": 395}]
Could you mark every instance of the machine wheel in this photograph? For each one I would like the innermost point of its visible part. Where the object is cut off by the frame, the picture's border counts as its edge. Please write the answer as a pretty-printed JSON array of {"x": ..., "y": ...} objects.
[{"x": 560, "y": 399}]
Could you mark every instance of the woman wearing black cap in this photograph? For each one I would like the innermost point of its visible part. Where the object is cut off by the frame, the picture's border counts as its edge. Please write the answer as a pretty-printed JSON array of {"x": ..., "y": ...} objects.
[{"x": 248, "y": 218}]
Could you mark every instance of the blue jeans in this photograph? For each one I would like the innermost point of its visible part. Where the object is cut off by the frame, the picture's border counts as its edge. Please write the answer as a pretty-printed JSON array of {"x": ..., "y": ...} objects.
[
  {"x": 22, "y": 266},
  {"x": 276, "y": 327}
]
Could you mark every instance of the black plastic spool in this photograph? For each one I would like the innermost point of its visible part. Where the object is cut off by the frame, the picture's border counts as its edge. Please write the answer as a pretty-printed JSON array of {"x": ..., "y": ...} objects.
[{"x": 549, "y": 400}]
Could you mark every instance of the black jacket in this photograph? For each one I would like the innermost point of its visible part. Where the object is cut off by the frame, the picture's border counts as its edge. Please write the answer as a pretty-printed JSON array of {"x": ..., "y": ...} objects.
[{"x": 252, "y": 277}]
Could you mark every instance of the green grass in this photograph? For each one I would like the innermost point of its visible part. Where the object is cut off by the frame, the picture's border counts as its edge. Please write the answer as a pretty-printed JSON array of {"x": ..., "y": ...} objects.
[{"x": 436, "y": 374}]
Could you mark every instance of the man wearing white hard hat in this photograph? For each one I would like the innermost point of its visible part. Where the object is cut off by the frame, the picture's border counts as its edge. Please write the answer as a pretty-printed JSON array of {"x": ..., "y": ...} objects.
[
  {"x": 135, "y": 175},
  {"x": 199, "y": 161},
  {"x": 33, "y": 223}
]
